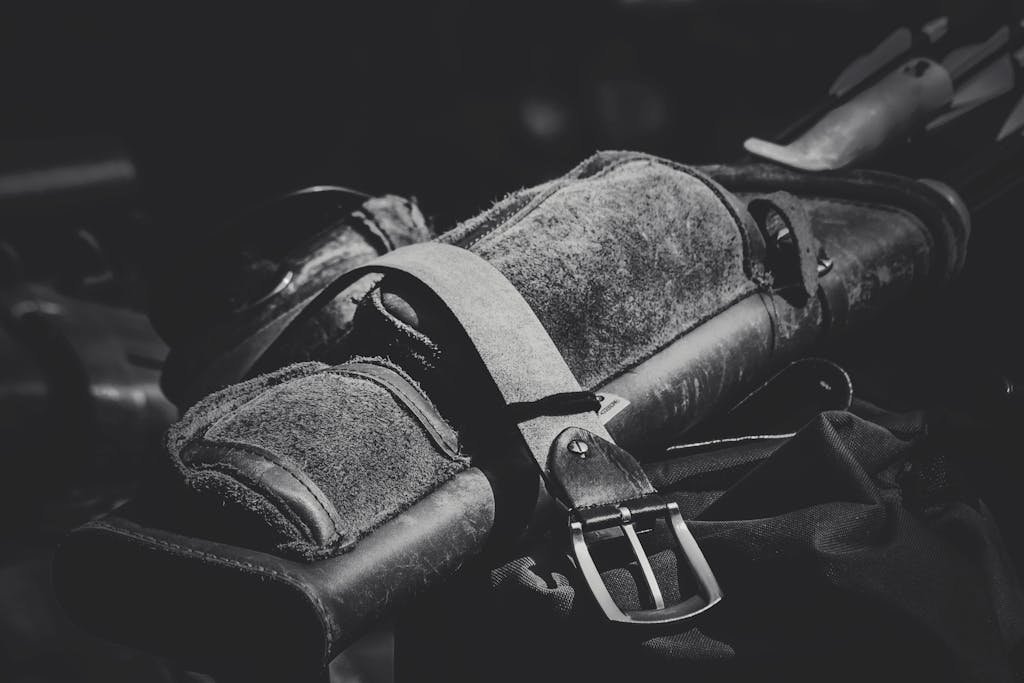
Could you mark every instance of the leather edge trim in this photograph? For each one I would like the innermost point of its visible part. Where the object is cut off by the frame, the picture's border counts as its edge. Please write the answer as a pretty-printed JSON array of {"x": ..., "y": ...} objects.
[
  {"x": 281, "y": 482},
  {"x": 440, "y": 433}
]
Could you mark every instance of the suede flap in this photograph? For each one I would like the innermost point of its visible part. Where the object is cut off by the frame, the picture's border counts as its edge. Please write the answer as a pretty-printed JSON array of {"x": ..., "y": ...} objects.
[
  {"x": 308, "y": 459},
  {"x": 618, "y": 258}
]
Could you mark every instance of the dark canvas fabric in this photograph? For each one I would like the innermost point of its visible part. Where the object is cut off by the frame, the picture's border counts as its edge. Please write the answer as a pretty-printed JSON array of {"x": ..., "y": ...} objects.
[{"x": 851, "y": 551}]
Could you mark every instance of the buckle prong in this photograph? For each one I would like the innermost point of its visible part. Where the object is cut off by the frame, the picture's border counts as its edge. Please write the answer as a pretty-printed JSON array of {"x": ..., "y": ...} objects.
[
  {"x": 645, "y": 564},
  {"x": 709, "y": 592}
]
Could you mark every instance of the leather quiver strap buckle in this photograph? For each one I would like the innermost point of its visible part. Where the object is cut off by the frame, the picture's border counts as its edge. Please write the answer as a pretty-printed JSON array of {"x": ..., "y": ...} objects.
[
  {"x": 612, "y": 491},
  {"x": 529, "y": 376},
  {"x": 625, "y": 518}
]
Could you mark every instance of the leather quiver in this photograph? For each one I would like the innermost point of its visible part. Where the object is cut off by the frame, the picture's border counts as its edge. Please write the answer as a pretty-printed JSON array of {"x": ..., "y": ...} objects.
[{"x": 301, "y": 507}]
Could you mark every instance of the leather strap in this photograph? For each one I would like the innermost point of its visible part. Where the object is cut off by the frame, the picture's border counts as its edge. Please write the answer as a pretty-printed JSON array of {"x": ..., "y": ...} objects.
[
  {"x": 794, "y": 249},
  {"x": 519, "y": 356},
  {"x": 596, "y": 473}
]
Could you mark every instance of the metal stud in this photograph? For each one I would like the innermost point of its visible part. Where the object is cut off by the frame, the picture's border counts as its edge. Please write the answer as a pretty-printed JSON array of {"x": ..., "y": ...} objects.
[{"x": 578, "y": 447}]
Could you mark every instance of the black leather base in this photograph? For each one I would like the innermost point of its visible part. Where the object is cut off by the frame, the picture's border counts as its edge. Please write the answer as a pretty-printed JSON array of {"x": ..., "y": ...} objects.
[{"x": 219, "y": 607}]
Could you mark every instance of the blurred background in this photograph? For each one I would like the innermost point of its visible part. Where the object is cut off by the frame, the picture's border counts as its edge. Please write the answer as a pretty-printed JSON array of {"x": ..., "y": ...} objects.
[{"x": 127, "y": 136}]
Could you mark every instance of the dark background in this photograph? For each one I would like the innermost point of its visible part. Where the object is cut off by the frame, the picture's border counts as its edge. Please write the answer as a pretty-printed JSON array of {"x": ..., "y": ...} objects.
[{"x": 454, "y": 103}]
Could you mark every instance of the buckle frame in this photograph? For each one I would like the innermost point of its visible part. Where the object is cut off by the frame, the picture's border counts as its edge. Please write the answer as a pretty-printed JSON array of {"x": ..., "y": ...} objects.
[{"x": 709, "y": 591}]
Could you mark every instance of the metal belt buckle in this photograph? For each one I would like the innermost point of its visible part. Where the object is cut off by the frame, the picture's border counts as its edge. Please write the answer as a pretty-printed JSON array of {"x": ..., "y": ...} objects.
[{"x": 709, "y": 591}]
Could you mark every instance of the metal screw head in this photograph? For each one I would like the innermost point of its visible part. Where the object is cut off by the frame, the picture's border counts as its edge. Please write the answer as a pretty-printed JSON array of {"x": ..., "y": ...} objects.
[
  {"x": 783, "y": 237},
  {"x": 578, "y": 447}
]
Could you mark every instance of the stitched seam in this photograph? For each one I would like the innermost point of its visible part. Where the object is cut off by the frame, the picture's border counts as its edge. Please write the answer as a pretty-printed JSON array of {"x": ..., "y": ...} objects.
[
  {"x": 285, "y": 466},
  {"x": 205, "y": 423},
  {"x": 422, "y": 418},
  {"x": 199, "y": 437},
  {"x": 331, "y": 630},
  {"x": 255, "y": 391},
  {"x": 645, "y": 489},
  {"x": 277, "y": 502}
]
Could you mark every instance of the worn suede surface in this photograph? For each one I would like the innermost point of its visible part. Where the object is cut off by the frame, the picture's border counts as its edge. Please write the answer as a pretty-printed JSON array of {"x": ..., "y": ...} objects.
[
  {"x": 361, "y": 447},
  {"x": 618, "y": 258}
]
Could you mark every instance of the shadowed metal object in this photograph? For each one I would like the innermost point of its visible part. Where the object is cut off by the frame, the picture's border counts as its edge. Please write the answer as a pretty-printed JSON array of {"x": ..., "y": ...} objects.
[
  {"x": 922, "y": 92},
  {"x": 881, "y": 115}
]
